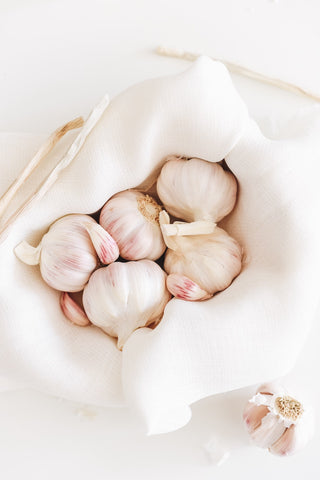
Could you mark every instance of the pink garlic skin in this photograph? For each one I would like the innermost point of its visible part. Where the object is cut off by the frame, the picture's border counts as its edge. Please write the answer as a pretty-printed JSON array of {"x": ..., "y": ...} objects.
[
  {"x": 184, "y": 288},
  {"x": 267, "y": 430}
]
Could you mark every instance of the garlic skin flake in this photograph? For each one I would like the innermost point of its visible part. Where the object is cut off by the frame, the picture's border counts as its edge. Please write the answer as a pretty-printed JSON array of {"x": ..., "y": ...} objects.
[
  {"x": 277, "y": 421},
  {"x": 125, "y": 296},
  {"x": 210, "y": 261},
  {"x": 132, "y": 218},
  {"x": 68, "y": 253},
  {"x": 196, "y": 189}
]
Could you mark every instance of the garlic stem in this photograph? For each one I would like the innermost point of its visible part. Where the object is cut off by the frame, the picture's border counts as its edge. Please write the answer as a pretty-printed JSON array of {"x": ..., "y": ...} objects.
[
  {"x": 164, "y": 221},
  {"x": 239, "y": 69},
  {"x": 201, "y": 227},
  {"x": 43, "y": 151},
  {"x": 28, "y": 254},
  {"x": 63, "y": 163}
]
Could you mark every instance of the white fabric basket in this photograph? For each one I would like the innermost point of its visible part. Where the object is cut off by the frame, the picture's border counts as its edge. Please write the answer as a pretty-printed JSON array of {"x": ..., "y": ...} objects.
[{"x": 251, "y": 332}]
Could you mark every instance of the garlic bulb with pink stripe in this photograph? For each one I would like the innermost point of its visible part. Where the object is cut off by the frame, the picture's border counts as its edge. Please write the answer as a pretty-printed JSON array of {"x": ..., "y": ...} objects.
[
  {"x": 132, "y": 218},
  {"x": 123, "y": 297},
  {"x": 70, "y": 251}
]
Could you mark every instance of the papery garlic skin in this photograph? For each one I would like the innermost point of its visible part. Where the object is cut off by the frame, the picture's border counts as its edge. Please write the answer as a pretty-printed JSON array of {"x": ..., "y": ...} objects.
[
  {"x": 67, "y": 254},
  {"x": 132, "y": 219},
  {"x": 211, "y": 261},
  {"x": 125, "y": 296},
  {"x": 196, "y": 190},
  {"x": 277, "y": 421}
]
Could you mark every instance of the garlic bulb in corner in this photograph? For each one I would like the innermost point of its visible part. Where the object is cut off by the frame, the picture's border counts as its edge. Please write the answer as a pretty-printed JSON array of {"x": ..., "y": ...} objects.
[
  {"x": 202, "y": 264},
  {"x": 132, "y": 218},
  {"x": 277, "y": 421},
  {"x": 196, "y": 189},
  {"x": 68, "y": 253},
  {"x": 125, "y": 296}
]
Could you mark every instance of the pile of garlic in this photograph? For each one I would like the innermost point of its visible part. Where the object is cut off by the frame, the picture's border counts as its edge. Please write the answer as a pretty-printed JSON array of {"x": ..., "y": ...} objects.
[{"x": 78, "y": 254}]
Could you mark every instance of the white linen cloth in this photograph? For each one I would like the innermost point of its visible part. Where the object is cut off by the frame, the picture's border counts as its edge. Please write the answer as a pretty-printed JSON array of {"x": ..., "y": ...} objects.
[{"x": 252, "y": 332}]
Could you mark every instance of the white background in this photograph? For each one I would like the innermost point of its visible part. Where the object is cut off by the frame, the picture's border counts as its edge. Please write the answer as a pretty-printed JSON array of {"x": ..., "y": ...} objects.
[{"x": 57, "y": 59}]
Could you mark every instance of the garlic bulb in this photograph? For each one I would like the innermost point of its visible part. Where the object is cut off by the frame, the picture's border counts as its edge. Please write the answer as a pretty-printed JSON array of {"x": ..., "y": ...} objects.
[
  {"x": 68, "y": 253},
  {"x": 125, "y": 296},
  {"x": 202, "y": 264},
  {"x": 132, "y": 219},
  {"x": 196, "y": 189},
  {"x": 277, "y": 421}
]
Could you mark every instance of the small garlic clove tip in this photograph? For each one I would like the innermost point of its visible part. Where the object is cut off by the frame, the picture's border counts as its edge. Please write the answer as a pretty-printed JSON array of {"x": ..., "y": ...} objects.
[{"x": 72, "y": 311}]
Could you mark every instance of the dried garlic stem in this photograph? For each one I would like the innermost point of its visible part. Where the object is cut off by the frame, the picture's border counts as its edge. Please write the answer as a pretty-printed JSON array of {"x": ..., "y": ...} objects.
[
  {"x": 63, "y": 163},
  {"x": 164, "y": 221},
  {"x": 44, "y": 150},
  {"x": 201, "y": 227},
  {"x": 234, "y": 68}
]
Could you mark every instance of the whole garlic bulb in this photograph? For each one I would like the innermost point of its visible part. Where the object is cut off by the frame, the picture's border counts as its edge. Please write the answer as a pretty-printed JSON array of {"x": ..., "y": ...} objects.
[
  {"x": 200, "y": 265},
  {"x": 277, "y": 421},
  {"x": 68, "y": 253},
  {"x": 125, "y": 296},
  {"x": 196, "y": 189},
  {"x": 132, "y": 218}
]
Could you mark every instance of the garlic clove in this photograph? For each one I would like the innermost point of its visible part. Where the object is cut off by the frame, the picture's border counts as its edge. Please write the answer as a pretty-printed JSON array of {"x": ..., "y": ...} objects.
[
  {"x": 184, "y": 288},
  {"x": 295, "y": 437},
  {"x": 285, "y": 444},
  {"x": 253, "y": 416},
  {"x": 72, "y": 311},
  {"x": 105, "y": 246},
  {"x": 195, "y": 189},
  {"x": 268, "y": 432}
]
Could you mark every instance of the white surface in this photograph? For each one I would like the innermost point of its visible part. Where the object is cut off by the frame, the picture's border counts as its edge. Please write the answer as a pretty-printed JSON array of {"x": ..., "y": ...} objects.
[{"x": 58, "y": 59}]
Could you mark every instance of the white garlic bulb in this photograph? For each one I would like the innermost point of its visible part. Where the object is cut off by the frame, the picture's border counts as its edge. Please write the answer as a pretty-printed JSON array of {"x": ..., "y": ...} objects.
[
  {"x": 196, "y": 189},
  {"x": 132, "y": 218},
  {"x": 277, "y": 421},
  {"x": 125, "y": 296},
  {"x": 202, "y": 264},
  {"x": 68, "y": 253}
]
